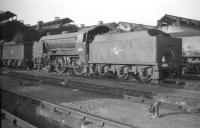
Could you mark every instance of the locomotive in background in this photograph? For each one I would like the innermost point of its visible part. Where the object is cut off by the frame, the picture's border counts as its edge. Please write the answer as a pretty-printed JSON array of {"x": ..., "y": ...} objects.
[
  {"x": 16, "y": 41},
  {"x": 97, "y": 51},
  {"x": 189, "y": 31}
]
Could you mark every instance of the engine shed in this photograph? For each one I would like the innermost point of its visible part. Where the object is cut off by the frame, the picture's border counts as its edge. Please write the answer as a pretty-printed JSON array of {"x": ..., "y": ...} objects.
[{"x": 189, "y": 31}]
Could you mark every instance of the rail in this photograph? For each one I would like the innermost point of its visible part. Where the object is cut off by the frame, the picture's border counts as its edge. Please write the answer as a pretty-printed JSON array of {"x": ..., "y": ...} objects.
[
  {"x": 63, "y": 115},
  {"x": 142, "y": 96},
  {"x": 15, "y": 120}
]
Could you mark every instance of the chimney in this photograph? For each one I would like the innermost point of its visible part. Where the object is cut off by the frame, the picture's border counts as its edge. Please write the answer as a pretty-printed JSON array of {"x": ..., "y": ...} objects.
[
  {"x": 100, "y": 22},
  {"x": 21, "y": 21},
  {"x": 40, "y": 22},
  {"x": 178, "y": 20},
  {"x": 48, "y": 33},
  {"x": 159, "y": 23},
  {"x": 56, "y": 18},
  {"x": 39, "y": 25},
  {"x": 82, "y": 25}
]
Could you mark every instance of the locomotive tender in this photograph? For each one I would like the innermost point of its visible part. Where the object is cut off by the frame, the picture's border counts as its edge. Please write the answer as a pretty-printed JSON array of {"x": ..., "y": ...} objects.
[
  {"x": 144, "y": 55},
  {"x": 17, "y": 54}
]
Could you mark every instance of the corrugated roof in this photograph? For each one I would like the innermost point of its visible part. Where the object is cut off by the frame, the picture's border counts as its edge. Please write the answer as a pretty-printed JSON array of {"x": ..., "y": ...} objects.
[
  {"x": 64, "y": 20},
  {"x": 111, "y": 25},
  {"x": 6, "y": 15},
  {"x": 170, "y": 19}
]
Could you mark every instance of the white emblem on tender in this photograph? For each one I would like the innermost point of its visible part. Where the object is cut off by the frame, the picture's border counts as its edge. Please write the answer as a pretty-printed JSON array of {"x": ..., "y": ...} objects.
[
  {"x": 116, "y": 50},
  {"x": 80, "y": 49}
]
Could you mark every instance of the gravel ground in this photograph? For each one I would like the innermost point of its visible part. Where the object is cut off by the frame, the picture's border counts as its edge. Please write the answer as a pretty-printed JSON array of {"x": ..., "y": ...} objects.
[{"x": 106, "y": 106}]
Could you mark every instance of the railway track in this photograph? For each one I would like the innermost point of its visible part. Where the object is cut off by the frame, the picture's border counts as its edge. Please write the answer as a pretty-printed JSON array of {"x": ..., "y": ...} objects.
[
  {"x": 142, "y": 94},
  {"x": 62, "y": 115},
  {"x": 63, "y": 106},
  {"x": 8, "y": 120},
  {"x": 188, "y": 81},
  {"x": 191, "y": 76}
]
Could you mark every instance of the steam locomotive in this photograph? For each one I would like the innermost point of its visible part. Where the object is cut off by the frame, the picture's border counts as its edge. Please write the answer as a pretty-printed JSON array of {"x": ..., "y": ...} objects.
[
  {"x": 143, "y": 55},
  {"x": 98, "y": 51}
]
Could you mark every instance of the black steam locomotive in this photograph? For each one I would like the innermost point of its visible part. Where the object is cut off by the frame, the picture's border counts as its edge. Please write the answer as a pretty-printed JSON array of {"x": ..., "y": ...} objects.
[
  {"x": 97, "y": 51},
  {"x": 149, "y": 55}
]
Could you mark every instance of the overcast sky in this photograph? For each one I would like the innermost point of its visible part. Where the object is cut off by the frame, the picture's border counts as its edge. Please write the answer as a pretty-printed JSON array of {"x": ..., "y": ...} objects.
[{"x": 89, "y": 12}]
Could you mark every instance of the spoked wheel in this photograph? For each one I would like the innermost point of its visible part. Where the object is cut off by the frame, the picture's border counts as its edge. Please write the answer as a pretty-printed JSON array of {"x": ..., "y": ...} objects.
[
  {"x": 47, "y": 67},
  {"x": 101, "y": 70},
  {"x": 122, "y": 73},
  {"x": 78, "y": 67},
  {"x": 60, "y": 65}
]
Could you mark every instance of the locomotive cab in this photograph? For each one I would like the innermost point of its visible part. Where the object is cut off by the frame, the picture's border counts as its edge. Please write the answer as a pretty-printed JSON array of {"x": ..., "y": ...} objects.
[
  {"x": 169, "y": 55},
  {"x": 85, "y": 37}
]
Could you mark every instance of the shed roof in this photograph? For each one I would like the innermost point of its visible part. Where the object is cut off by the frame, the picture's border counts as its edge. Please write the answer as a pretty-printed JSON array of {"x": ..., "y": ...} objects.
[
  {"x": 6, "y": 15},
  {"x": 170, "y": 19},
  {"x": 64, "y": 20}
]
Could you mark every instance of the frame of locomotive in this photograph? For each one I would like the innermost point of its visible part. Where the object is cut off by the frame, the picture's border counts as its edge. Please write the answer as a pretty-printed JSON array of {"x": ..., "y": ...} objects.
[{"x": 97, "y": 52}]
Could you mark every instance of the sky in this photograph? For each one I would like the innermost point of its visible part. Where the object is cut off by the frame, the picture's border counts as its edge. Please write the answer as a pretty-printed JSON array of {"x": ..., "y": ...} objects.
[{"x": 89, "y": 12}]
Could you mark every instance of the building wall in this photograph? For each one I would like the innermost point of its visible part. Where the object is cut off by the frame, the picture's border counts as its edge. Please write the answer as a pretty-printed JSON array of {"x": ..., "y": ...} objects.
[
  {"x": 191, "y": 46},
  {"x": 190, "y": 38},
  {"x": 178, "y": 29}
]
